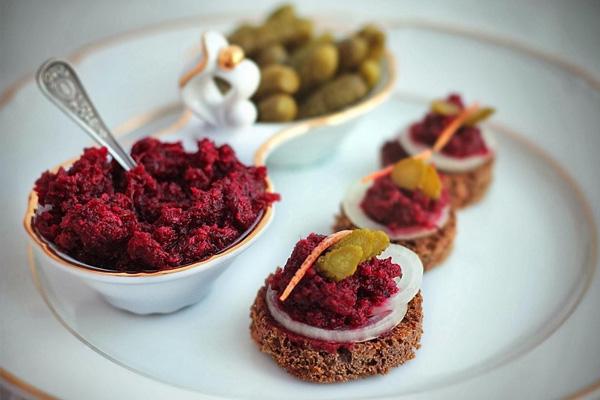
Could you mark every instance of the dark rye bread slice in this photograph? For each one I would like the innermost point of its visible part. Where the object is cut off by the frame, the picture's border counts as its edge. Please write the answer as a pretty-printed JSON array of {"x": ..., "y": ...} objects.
[
  {"x": 299, "y": 357},
  {"x": 431, "y": 249},
  {"x": 465, "y": 188}
]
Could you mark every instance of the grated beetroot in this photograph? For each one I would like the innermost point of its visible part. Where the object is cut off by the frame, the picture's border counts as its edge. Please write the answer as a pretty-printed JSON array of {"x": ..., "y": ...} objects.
[
  {"x": 398, "y": 208},
  {"x": 467, "y": 141},
  {"x": 327, "y": 304},
  {"x": 173, "y": 209}
]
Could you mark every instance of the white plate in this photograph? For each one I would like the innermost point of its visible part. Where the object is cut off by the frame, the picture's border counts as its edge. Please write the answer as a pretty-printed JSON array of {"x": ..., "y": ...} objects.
[{"x": 484, "y": 328}]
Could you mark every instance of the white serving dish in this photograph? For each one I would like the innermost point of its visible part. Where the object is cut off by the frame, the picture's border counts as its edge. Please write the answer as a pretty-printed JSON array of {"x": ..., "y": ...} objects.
[{"x": 484, "y": 331}]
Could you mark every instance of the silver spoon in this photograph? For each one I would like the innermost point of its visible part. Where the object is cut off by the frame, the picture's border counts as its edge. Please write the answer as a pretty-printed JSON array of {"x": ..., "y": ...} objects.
[{"x": 59, "y": 82}]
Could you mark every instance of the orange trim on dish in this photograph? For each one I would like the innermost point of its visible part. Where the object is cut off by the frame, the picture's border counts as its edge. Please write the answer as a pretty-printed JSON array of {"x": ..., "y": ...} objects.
[
  {"x": 25, "y": 387},
  {"x": 199, "y": 67}
]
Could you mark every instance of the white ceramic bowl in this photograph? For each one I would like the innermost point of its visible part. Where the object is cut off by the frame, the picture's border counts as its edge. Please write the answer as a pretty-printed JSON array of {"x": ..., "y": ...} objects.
[{"x": 147, "y": 292}]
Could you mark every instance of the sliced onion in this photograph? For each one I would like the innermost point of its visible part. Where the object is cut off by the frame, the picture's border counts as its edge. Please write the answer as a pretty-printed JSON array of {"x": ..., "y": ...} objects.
[
  {"x": 386, "y": 317},
  {"x": 354, "y": 212},
  {"x": 448, "y": 163}
]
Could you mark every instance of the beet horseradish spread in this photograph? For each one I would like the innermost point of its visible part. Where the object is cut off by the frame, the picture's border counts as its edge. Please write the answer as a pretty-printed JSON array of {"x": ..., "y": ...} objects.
[
  {"x": 330, "y": 304},
  {"x": 174, "y": 208},
  {"x": 468, "y": 139},
  {"x": 401, "y": 209},
  {"x": 349, "y": 287}
]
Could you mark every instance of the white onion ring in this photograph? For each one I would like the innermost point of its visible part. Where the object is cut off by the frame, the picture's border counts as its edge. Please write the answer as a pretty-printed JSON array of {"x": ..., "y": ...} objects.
[
  {"x": 387, "y": 316},
  {"x": 354, "y": 212},
  {"x": 449, "y": 163}
]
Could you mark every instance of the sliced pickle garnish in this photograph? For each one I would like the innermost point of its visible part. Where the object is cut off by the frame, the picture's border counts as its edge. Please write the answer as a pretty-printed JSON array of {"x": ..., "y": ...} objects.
[
  {"x": 340, "y": 263},
  {"x": 431, "y": 184},
  {"x": 415, "y": 173},
  {"x": 408, "y": 173},
  {"x": 444, "y": 107},
  {"x": 362, "y": 238},
  {"x": 381, "y": 241},
  {"x": 478, "y": 116},
  {"x": 342, "y": 259}
]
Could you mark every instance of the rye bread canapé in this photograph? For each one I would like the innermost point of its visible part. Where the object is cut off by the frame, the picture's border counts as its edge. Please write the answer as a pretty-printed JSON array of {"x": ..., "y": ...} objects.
[
  {"x": 466, "y": 159},
  {"x": 410, "y": 202},
  {"x": 344, "y": 306}
]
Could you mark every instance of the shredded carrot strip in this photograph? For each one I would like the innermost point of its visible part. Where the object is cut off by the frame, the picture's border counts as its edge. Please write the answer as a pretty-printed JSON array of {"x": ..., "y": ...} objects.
[
  {"x": 310, "y": 260},
  {"x": 378, "y": 174},
  {"x": 452, "y": 128}
]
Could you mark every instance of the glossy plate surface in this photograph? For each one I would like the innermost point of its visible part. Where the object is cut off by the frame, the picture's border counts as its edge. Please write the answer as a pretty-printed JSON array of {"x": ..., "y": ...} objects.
[{"x": 505, "y": 304}]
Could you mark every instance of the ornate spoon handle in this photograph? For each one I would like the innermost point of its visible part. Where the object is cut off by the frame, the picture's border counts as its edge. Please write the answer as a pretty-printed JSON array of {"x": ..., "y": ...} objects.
[{"x": 59, "y": 82}]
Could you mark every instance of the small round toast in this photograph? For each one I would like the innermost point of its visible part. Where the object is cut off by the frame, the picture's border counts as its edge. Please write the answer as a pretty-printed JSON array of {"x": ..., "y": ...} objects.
[
  {"x": 299, "y": 357},
  {"x": 465, "y": 188},
  {"x": 431, "y": 249}
]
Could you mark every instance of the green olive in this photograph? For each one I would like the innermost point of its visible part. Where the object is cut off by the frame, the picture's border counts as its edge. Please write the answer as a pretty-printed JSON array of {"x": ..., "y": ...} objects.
[{"x": 277, "y": 108}]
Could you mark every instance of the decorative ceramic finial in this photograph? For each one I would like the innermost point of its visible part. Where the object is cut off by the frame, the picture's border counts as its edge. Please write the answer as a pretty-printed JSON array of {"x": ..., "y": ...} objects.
[{"x": 201, "y": 94}]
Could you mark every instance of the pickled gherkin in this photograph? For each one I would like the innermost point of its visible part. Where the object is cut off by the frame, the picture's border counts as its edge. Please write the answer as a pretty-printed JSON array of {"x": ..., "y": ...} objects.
[
  {"x": 343, "y": 258},
  {"x": 317, "y": 66},
  {"x": 376, "y": 40},
  {"x": 274, "y": 54},
  {"x": 304, "y": 74},
  {"x": 413, "y": 173},
  {"x": 352, "y": 52},
  {"x": 334, "y": 96},
  {"x": 370, "y": 71},
  {"x": 340, "y": 263},
  {"x": 479, "y": 116},
  {"x": 276, "y": 78},
  {"x": 285, "y": 11},
  {"x": 243, "y": 36},
  {"x": 276, "y": 31},
  {"x": 277, "y": 108},
  {"x": 372, "y": 242}
]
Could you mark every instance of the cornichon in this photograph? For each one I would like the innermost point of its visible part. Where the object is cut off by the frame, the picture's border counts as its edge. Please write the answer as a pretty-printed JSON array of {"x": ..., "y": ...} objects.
[
  {"x": 333, "y": 96},
  {"x": 276, "y": 78},
  {"x": 376, "y": 39},
  {"x": 370, "y": 72},
  {"x": 444, "y": 107},
  {"x": 352, "y": 52},
  {"x": 342, "y": 259},
  {"x": 480, "y": 115},
  {"x": 320, "y": 64},
  {"x": 412, "y": 173},
  {"x": 317, "y": 66},
  {"x": 277, "y": 108},
  {"x": 273, "y": 54}
]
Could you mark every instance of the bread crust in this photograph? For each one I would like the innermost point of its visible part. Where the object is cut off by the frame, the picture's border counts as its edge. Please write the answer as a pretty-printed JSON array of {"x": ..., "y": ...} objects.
[
  {"x": 466, "y": 188},
  {"x": 432, "y": 249},
  {"x": 301, "y": 358}
]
